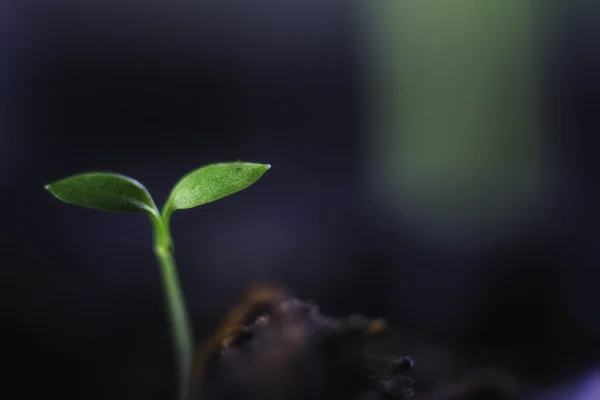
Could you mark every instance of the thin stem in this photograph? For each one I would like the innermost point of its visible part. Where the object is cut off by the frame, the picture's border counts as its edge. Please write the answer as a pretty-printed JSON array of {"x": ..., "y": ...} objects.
[{"x": 181, "y": 329}]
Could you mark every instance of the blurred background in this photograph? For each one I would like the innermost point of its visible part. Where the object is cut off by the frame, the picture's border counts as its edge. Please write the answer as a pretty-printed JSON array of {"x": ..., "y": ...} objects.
[{"x": 433, "y": 163}]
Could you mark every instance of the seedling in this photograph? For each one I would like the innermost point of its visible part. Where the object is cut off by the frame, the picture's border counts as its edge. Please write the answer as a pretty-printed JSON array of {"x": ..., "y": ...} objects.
[{"x": 119, "y": 193}]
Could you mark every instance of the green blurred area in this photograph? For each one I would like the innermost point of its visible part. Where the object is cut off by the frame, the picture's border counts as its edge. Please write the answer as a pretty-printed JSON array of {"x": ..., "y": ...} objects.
[{"x": 455, "y": 134}]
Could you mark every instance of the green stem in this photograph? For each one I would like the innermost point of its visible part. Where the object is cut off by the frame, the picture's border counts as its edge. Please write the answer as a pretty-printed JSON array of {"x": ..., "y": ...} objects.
[{"x": 181, "y": 329}]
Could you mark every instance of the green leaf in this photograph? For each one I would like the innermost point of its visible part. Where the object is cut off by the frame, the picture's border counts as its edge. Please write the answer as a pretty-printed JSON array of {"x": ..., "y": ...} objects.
[
  {"x": 213, "y": 182},
  {"x": 104, "y": 191}
]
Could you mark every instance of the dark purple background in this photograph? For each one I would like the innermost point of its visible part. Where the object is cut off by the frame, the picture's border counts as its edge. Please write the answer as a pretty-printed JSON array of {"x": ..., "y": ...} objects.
[{"x": 155, "y": 90}]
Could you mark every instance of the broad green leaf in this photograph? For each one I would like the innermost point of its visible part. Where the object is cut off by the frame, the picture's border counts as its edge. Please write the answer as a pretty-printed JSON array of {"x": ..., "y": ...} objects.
[
  {"x": 104, "y": 191},
  {"x": 213, "y": 182}
]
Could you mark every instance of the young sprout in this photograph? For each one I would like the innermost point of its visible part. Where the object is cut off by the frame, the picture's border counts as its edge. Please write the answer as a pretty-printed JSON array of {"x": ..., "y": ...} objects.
[{"x": 118, "y": 193}]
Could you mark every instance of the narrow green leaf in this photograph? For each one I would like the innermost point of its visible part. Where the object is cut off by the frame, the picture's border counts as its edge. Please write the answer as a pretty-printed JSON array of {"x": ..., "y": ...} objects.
[
  {"x": 104, "y": 191},
  {"x": 213, "y": 182}
]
